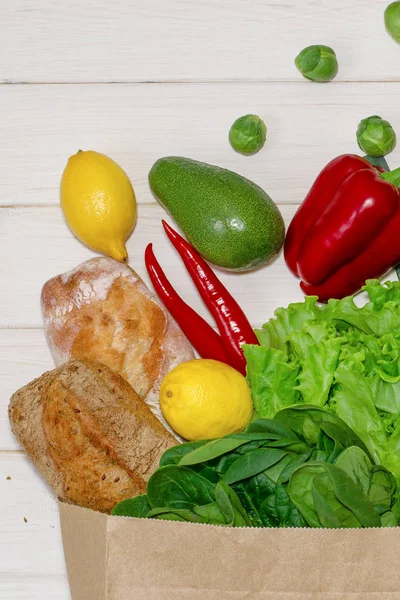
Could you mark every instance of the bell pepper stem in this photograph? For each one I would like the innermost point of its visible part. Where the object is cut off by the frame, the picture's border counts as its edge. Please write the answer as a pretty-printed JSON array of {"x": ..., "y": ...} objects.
[
  {"x": 392, "y": 177},
  {"x": 377, "y": 161}
]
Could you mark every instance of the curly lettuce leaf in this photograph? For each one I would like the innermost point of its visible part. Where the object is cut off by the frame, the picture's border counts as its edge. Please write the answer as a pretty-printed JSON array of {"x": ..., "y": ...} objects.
[
  {"x": 382, "y": 293},
  {"x": 274, "y": 333},
  {"x": 377, "y": 318},
  {"x": 318, "y": 360},
  {"x": 272, "y": 378},
  {"x": 353, "y": 402},
  {"x": 391, "y": 459},
  {"x": 339, "y": 356}
]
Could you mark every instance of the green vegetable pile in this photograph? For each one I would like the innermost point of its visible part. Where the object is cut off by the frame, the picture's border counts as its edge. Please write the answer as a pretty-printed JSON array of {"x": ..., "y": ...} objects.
[
  {"x": 304, "y": 468},
  {"x": 340, "y": 357}
]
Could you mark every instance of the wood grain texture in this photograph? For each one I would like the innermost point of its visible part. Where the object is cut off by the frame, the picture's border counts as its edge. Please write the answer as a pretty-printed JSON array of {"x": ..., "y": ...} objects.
[
  {"x": 24, "y": 355},
  {"x": 185, "y": 40},
  {"x": 31, "y": 587},
  {"x": 136, "y": 124},
  {"x": 32, "y": 561},
  {"x": 233, "y": 58}
]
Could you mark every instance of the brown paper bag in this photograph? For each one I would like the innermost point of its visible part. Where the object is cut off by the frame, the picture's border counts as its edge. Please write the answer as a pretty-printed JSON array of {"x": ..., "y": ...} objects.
[{"x": 117, "y": 558}]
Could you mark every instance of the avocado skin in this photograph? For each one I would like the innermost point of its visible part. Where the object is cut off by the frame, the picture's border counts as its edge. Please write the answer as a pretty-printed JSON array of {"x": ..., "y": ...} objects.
[{"x": 230, "y": 220}]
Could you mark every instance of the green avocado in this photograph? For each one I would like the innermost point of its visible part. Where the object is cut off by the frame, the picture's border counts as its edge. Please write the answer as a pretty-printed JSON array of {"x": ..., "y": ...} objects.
[{"x": 230, "y": 221}]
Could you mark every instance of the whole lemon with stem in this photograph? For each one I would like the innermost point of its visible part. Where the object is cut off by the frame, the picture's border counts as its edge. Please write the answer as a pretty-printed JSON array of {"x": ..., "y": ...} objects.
[
  {"x": 204, "y": 399},
  {"x": 98, "y": 202}
]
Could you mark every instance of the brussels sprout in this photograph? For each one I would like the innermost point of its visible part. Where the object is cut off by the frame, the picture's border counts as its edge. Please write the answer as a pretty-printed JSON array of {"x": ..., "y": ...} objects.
[
  {"x": 392, "y": 21},
  {"x": 247, "y": 135},
  {"x": 375, "y": 136},
  {"x": 318, "y": 63}
]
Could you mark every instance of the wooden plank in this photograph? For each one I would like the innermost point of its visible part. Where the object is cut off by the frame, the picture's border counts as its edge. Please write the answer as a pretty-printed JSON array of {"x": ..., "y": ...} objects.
[
  {"x": 24, "y": 355},
  {"x": 186, "y": 41},
  {"x": 38, "y": 245},
  {"x": 32, "y": 561},
  {"x": 136, "y": 124},
  {"x": 31, "y": 587}
]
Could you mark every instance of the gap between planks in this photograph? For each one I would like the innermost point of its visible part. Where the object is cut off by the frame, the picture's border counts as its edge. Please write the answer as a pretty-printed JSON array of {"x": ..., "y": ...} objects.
[{"x": 199, "y": 82}]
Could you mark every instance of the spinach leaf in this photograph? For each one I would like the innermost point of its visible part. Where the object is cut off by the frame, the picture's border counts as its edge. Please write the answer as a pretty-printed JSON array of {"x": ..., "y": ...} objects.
[
  {"x": 308, "y": 422},
  {"x": 258, "y": 488},
  {"x": 277, "y": 510},
  {"x": 295, "y": 447},
  {"x": 212, "y": 450},
  {"x": 300, "y": 491},
  {"x": 282, "y": 472},
  {"x": 303, "y": 468},
  {"x": 375, "y": 481},
  {"x": 132, "y": 507},
  {"x": 356, "y": 464},
  {"x": 389, "y": 519},
  {"x": 210, "y": 513},
  {"x": 349, "y": 494},
  {"x": 248, "y": 503},
  {"x": 252, "y": 463},
  {"x": 331, "y": 513},
  {"x": 270, "y": 426},
  {"x": 326, "y": 496},
  {"x": 341, "y": 440},
  {"x": 383, "y": 490},
  {"x": 253, "y": 436},
  {"x": 175, "y": 514},
  {"x": 208, "y": 472},
  {"x": 231, "y": 507},
  {"x": 225, "y": 462},
  {"x": 173, "y": 455},
  {"x": 174, "y": 487},
  {"x": 251, "y": 446}
]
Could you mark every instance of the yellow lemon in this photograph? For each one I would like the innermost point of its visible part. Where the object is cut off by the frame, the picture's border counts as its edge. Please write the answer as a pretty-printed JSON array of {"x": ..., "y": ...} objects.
[
  {"x": 204, "y": 399},
  {"x": 98, "y": 202}
]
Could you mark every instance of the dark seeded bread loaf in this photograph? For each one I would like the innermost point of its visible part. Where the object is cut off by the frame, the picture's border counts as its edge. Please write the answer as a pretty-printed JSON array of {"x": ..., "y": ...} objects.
[{"x": 89, "y": 434}]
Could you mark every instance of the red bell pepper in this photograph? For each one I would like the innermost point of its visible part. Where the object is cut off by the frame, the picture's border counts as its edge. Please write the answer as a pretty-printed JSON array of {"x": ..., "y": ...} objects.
[{"x": 347, "y": 229}]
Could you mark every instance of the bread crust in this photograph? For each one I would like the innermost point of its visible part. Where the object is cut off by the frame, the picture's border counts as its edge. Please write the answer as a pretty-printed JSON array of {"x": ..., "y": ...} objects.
[
  {"x": 103, "y": 311},
  {"x": 89, "y": 434}
]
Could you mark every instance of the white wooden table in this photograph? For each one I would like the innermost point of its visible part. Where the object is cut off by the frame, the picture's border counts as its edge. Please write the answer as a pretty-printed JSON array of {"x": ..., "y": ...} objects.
[{"x": 138, "y": 80}]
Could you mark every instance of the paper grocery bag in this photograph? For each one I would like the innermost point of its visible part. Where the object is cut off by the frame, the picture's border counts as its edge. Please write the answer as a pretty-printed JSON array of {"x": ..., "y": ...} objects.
[{"x": 117, "y": 558}]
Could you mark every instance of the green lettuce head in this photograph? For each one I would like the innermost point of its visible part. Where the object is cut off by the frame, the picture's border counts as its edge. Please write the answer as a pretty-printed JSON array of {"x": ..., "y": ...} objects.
[
  {"x": 247, "y": 135},
  {"x": 375, "y": 136},
  {"x": 318, "y": 63}
]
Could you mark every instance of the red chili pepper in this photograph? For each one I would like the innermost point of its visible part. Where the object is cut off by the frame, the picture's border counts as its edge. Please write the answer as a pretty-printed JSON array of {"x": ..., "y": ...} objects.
[
  {"x": 232, "y": 323},
  {"x": 200, "y": 334},
  {"x": 349, "y": 216}
]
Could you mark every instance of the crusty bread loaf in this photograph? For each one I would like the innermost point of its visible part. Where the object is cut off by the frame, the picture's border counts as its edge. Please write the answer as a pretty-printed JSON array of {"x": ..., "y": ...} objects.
[
  {"x": 103, "y": 311},
  {"x": 89, "y": 434}
]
